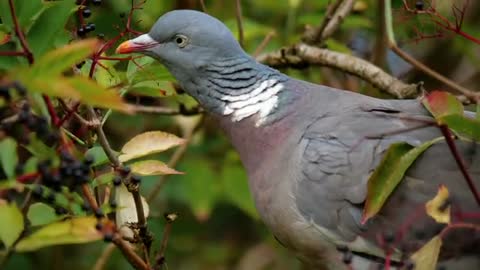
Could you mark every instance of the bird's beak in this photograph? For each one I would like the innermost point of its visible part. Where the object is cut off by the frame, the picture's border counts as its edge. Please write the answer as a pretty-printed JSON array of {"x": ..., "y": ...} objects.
[{"x": 138, "y": 44}]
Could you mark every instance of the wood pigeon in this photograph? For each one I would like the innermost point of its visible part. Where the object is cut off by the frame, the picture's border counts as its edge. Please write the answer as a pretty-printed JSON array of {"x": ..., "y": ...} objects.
[{"x": 309, "y": 149}]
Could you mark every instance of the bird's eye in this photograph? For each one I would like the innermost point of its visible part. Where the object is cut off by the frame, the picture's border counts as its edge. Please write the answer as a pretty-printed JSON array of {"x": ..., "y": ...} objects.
[{"x": 181, "y": 41}]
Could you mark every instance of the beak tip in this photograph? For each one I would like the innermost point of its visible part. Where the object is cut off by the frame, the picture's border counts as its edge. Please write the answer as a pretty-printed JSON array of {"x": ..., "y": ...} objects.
[{"x": 124, "y": 48}]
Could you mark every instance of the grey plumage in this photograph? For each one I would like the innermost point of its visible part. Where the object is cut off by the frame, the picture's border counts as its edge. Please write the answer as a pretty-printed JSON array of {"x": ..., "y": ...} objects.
[{"x": 309, "y": 149}]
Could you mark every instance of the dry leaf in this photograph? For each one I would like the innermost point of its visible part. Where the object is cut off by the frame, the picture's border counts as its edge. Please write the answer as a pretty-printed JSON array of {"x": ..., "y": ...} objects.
[
  {"x": 149, "y": 143},
  {"x": 436, "y": 206},
  {"x": 152, "y": 167}
]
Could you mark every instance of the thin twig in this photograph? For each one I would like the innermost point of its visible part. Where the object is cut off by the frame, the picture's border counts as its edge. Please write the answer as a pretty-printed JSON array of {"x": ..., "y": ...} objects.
[
  {"x": 264, "y": 43},
  {"x": 238, "y": 15},
  {"x": 333, "y": 19},
  {"x": 102, "y": 260},
  {"x": 471, "y": 95},
  {"x": 459, "y": 160},
  {"x": 128, "y": 252},
  {"x": 204, "y": 7},
  {"x": 18, "y": 31},
  {"x": 160, "y": 258}
]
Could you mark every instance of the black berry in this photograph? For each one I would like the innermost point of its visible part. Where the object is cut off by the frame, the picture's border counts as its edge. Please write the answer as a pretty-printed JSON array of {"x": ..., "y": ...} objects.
[
  {"x": 86, "y": 12},
  {"x": 81, "y": 32},
  {"x": 90, "y": 27},
  {"x": 136, "y": 179},
  {"x": 98, "y": 213},
  {"x": 419, "y": 5},
  {"x": 97, "y": 2},
  {"x": 117, "y": 181}
]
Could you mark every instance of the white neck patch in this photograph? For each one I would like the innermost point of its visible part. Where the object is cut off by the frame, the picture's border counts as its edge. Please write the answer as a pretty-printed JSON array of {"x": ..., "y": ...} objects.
[{"x": 261, "y": 101}]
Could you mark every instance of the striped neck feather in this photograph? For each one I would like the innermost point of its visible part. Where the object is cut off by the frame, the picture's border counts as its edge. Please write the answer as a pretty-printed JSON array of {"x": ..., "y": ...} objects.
[{"x": 245, "y": 88}]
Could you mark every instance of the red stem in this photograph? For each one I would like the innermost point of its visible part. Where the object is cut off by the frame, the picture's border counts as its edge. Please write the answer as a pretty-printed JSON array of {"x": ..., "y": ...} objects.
[
  {"x": 461, "y": 165},
  {"x": 28, "y": 54}
]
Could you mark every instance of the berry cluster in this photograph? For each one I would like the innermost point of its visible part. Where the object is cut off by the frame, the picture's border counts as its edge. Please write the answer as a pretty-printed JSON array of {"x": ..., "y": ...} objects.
[
  {"x": 24, "y": 121},
  {"x": 85, "y": 12}
]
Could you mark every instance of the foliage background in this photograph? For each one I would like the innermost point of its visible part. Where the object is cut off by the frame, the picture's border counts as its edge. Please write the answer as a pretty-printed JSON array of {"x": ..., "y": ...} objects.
[{"x": 218, "y": 226}]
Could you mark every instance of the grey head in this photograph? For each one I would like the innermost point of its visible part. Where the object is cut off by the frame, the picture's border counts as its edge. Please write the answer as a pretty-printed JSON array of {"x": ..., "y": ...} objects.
[
  {"x": 207, "y": 61},
  {"x": 185, "y": 41}
]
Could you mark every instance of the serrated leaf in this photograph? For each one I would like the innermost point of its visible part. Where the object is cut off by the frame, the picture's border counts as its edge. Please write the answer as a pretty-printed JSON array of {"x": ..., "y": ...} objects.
[
  {"x": 12, "y": 223},
  {"x": 127, "y": 212},
  {"x": 41, "y": 214},
  {"x": 149, "y": 143},
  {"x": 51, "y": 22},
  {"x": 56, "y": 61},
  {"x": 152, "y": 167},
  {"x": 389, "y": 173},
  {"x": 8, "y": 156},
  {"x": 426, "y": 257},
  {"x": 433, "y": 207},
  {"x": 76, "y": 230},
  {"x": 441, "y": 103}
]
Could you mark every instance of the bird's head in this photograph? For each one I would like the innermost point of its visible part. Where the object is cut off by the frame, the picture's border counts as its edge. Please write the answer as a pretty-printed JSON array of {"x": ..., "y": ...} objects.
[{"x": 184, "y": 41}]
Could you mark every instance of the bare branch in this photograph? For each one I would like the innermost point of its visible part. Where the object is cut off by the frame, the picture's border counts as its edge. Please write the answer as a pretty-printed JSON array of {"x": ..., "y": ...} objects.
[
  {"x": 238, "y": 15},
  {"x": 302, "y": 54},
  {"x": 333, "y": 19}
]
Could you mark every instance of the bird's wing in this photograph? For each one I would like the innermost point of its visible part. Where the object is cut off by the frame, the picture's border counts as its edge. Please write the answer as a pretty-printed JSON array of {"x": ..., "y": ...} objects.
[{"x": 341, "y": 151}]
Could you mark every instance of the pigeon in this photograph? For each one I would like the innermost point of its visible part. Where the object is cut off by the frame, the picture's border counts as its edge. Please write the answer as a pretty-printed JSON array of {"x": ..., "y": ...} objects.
[{"x": 309, "y": 150}]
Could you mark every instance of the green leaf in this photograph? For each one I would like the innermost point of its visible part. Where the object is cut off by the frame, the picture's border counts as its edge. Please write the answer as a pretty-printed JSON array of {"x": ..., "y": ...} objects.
[
  {"x": 389, "y": 173},
  {"x": 103, "y": 179},
  {"x": 28, "y": 11},
  {"x": 153, "y": 72},
  {"x": 441, "y": 103},
  {"x": 153, "y": 88},
  {"x": 51, "y": 22},
  {"x": 106, "y": 75},
  {"x": 76, "y": 230},
  {"x": 57, "y": 61},
  {"x": 11, "y": 225},
  {"x": 426, "y": 257},
  {"x": 8, "y": 156},
  {"x": 463, "y": 126},
  {"x": 41, "y": 214},
  {"x": 98, "y": 154},
  {"x": 149, "y": 143},
  {"x": 152, "y": 167}
]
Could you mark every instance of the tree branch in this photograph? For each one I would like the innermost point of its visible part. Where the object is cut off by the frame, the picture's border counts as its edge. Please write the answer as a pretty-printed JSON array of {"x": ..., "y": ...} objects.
[{"x": 302, "y": 54}]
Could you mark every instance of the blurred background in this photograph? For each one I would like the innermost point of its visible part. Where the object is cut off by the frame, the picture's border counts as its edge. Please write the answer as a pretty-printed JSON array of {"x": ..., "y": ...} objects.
[{"x": 218, "y": 227}]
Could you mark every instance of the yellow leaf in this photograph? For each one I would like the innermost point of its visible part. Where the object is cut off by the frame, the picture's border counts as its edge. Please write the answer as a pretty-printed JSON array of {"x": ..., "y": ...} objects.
[
  {"x": 426, "y": 257},
  {"x": 435, "y": 205},
  {"x": 152, "y": 167},
  {"x": 72, "y": 231},
  {"x": 149, "y": 143}
]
